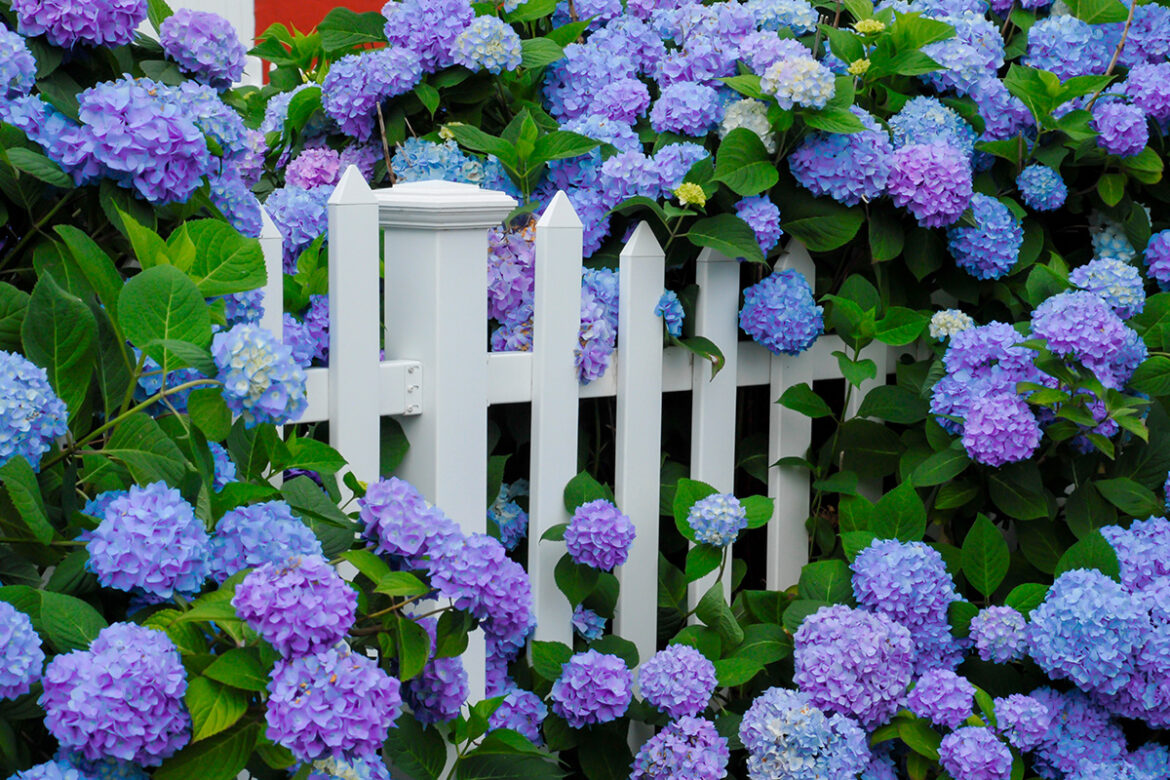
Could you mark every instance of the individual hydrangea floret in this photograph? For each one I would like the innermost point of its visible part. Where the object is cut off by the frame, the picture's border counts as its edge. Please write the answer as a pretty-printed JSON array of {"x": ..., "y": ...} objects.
[
  {"x": 799, "y": 81},
  {"x": 437, "y": 693},
  {"x": 948, "y": 322},
  {"x": 678, "y": 680},
  {"x": 21, "y": 657},
  {"x": 1121, "y": 128},
  {"x": 401, "y": 524},
  {"x": 974, "y": 753},
  {"x": 205, "y": 45},
  {"x": 780, "y": 313},
  {"x": 67, "y": 23},
  {"x": 1157, "y": 258},
  {"x": 789, "y": 738},
  {"x": 763, "y": 217},
  {"x": 319, "y": 167},
  {"x": 942, "y": 697},
  {"x": 149, "y": 540},
  {"x": 428, "y": 28},
  {"x": 122, "y": 698},
  {"x": 333, "y": 703},
  {"x": 18, "y": 67},
  {"x": 688, "y": 747},
  {"x": 848, "y": 167},
  {"x": 999, "y": 634},
  {"x": 599, "y": 535},
  {"x": 992, "y": 247},
  {"x": 1041, "y": 188},
  {"x": 670, "y": 309},
  {"x": 1022, "y": 720},
  {"x": 854, "y": 663},
  {"x": 261, "y": 381},
  {"x": 588, "y": 623},
  {"x": 250, "y": 536},
  {"x": 357, "y": 83},
  {"x": 31, "y": 414},
  {"x": 932, "y": 181},
  {"x": 488, "y": 43},
  {"x": 752, "y": 115},
  {"x": 687, "y": 108},
  {"x": 1143, "y": 551},
  {"x": 521, "y": 711},
  {"x": 1116, "y": 282},
  {"x": 593, "y": 688},
  {"x": 1000, "y": 428},
  {"x": 300, "y": 605},
  {"x": 717, "y": 519}
]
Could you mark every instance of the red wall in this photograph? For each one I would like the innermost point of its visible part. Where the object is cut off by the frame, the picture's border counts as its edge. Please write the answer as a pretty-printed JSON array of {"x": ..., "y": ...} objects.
[{"x": 304, "y": 14}]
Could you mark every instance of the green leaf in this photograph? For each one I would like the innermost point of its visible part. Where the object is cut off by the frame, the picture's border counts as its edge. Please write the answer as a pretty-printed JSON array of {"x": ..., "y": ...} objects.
[
  {"x": 1111, "y": 188},
  {"x": 802, "y": 398},
  {"x": 329, "y": 524},
  {"x": 148, "y": 246},
  {"x": 798, "y": 610},
  {"x": 887, "y": 237},
  {"x": 209, "y": 412},
  {"x": 702, "y": 639},
  {"x": 833, "y": 120},
  {"x": 728, "y": 234},
  {"x": 566, "y": 33},
  {"x": 939, "y": 468},
  {"x": 68, "y": 623},
  {"x": 820, "y": 223},
  {"x": 900, "y": 514},
  {"x": 225, "y": 261},
  {"x": 1013, "y": 490},
  {"x": 530, "y": 11},
  {"x": 582, "y": 489},
  {"x": 1130, "y": 497},
  {"x": 853, "y": 542},
  {"x": 830, "y": 581},
  {"x": 418, "y": 751},
  {"x": 58, "y": 334},
  {"x": 738, "y": 670},
  {"x": 313, "y": 455},
  {"x": 538, "y": 52},
  {"x": 13, "y": 307},
  {"x": 857, "y": 372},
  {"x": 714, "y": 612},
  {"x": 702, "y": 559},
  {"x": 213, "y": 707},
  {"x": 686, "y": 493},
  {"x": 1152, "y": 376},
  {"x": 611, "y": 644},
  {"x": 97, "y": 266},
  {"x": 302, "y": 107},
  {"x": 157, "y": 11},
  {"x": 477, "y": 140},
  {"x": 758, "y": 509},
  {"x": 575, "y": 580},
  {"x": 765, "y": 643},
  {"x": 240, "y": 668},
  {"x": 846, "y": 44},
  {"x": 893, "y": 404},
  {"x": 428, "y": 96},
  {"x": 162, "y": 304},
  {"x": 20, "y": 482},
  {"x": 151, "y": 455},
  {"x": 920, "y": 737},
  {"x": 414, "y": 648},
  {"x": 1098, "y": 11},
  {"x": 401, "y": 583},
  {"x": 39, "y": 167},
  {"x": 342, "y": 29},
  {"x": 900, "y": 326},
  {"x": 1025, "y": 598},
  {"x": 743, "y": 164},
  {"x": 1092, "y": 552},
  {"x": 221, "y": 757},
  {"x": 985, "y": 556},
  {"x": 549, "y": 657},
  {"x": 747, "y": 85}
]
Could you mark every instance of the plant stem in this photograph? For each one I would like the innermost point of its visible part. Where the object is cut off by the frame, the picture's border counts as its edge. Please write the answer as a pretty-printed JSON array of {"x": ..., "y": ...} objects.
[
  {"x": 36, "y": 228},
  {"x": 386, "y": 147},
  {"x": 1116, "y": 54},
  {"x": 7, "y": 540}
]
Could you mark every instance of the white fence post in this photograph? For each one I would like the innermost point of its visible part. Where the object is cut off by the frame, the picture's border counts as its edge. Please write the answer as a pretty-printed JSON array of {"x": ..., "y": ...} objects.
[
  {"x": 436, "y": 313},
  {"x": 273, "y": 247},
  {"x": 639, "y": 433},
  {"x": 353, "y": 325},
  {"x": 790, "y": 433},
  {"x": 555, "y": 406},
  {"x": 713, "y": 399}
]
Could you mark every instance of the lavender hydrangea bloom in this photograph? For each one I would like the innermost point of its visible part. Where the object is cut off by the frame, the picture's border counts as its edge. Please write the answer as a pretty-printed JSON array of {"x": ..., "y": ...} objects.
[
  {"x": 1121, "y": 128},
  {"x": 511, "y": 274},
  {"x": 1000, "y": 428},
  {"x": 1157, "y": 258},
  {"x": 688, "y": 747},
  {"x": 487, "y": 44},
  {"x": 588, "y": 623},
  {"x": 122, "y": 698},
  {"x": 301, "y": 216},
  {"x": 670, "y": 309},
  {"x": 428, "y": 28},
  {"x": 521, "y": 711},
  {"x": 848, "y": 167},
  {"x": 678, "y": 680},
  {"x": 687, "y": 108},
  {"x": 67, "y": 23},
  {"x": 599, "y": 535},
  {"x": 1117, "y": 283},
  {"x": 989, "y": 250},
  {"x": 623, "y": 100},
  {"x": 789, "y": 738},
  {"x": 1022, "y": 720},
  {"x": 932, "y": 181},
  {"x": 21, "y": 657},
  {"x": 437, "y": 693},
  {"x": 401, "y": 524},
  {"x": 150, "y": 540},
  {"x": 314, "y": 168},
  {"x": 999, "y": 634},
  {"x": 1080, "y": 325},
  {"x": 976, "y": 52},
  {"x": 717, "y": 519},
  {"x": 1004, "y": 115},
  {"x": 357, "y": 83},
  {"x": 223, "y": 466},
  {"x": 261, "y": 382},
  {"x": 333, "y": 703},
  {"x": 299, "y": 605},
  {"x": 1067, "y": 47},
  {"x": 573, "y": 81},
  {"x": 51, "y": 770},
  {"x": 942, "y": 697},
  {"x": 238, "y": 204},
  {"x": 509, "y": 518},
  {"x": 67, "y": 143},
  {"x": 1079, "y": 731},
  {"x": 925, "y": 120},
  {"x": 593, "y": 688},
  {"x": 31, "y": 414},
  {"x": 18, "y": 68},
  {"x": 1149, "y": 761},
  {"x": 980, "y": 361},
  {"x": 853, "y": 662},
  {"x": 799, "y": 81},
  {"x": 1148, "y": 86},
  {"x": 243, "y": 306},
  {"x": 251, "y": 536},
  {"x": 763, "y": 217},
  {"x": 974, "y": 753},
  {"x": 1041, "y": 188},
  {"x": 1143, "y": 550},
  {"x": 205, "y": 45},
  {"x": 295, "y": 336},
  {"x": 780, "y": 313}
]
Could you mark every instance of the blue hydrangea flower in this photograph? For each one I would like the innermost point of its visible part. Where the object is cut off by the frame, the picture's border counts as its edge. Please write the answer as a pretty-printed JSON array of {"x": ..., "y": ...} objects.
[
  {"x": 1149, "y": 761},
  {"x": 65, "y": 142},
  {"x": 673, "y": 161},
  {"x": 670, "y": 309},
  {"x": 1004, "y": 115},
  {"x": 333, "y": 703},
  {"x": 18, "y": 68},
  {"x": 508, "y": 517},
  {"x": 1143, "y": 550},
  {"x": 717, "y": 519},
  {"x": 623, "y": 100},
  {"x": 599, "y": 535},
  {"x": 357, "y": 83},
  {"x": 150, "y": 540},
  {"x": 1079, "y": 731},
  {"x": 223, "y": 466},
  {"x": 999, "y": 634},
  {"x": 296, "y": 338},
  {"x": 122, "y": 698},
  {"x": 521, "y": 711},
  {"x": 763, "y": 217},
  {"x": 573, "y": 81},
  {"x": 261, "y": 382},
  {"x": 1121, "y": 128},
  {"x": 250, "y": 536},
  {"x": 942, "y": 697},
  {"x": 974, "y": 753},
  {"x": 488, "y": 43},
  {"x": 788, "y": 738},
  {"x": 999, "y": 428},
  {"x": 51, "y": 770},
  {"x": 796, "y": 15},
  {"x": 1148, "y": 86},
  {"x": 989, "y": 250},
  {"x": 687, "y": 747},
  {"x": 932, "y": 181},
  {"x": 243, "y": 307},
  {"x": 1067, "y": 47},
  {"x": 438, "y": 692},
  {"x": 974, "y": 53},
  {"x": 103, "y": 768},
  {"x": 358, "y": 768},
  {"x": 593, "y": 688},
  {"x": 1157, "y": 258},
  {"x": 67, "y": 23},
  {"x": 205, "y": 45},
  {"x": 1116, "y": 282},
  {"x": 1109, "y": 238},
  {"x": 588, "y": 623},
  {"x": 402, "y": 525},
  {"x": 21, "y": 657},
  {"x": 678, "y": 680},
  {"x": 428, "y": 28},
  {"x": 420, "y": 160},
  {"x": 1022, "y": 720},
  {"x": 686, "y": 108},
  {"x": 848, "y": 167},
  {"x": 298, "y": 605},
  {"x": 31, "y": 414},
  {"x": 1041, "y": 187},
  {"x": 235, "y": 200},
  {"x": 780, "y": 313},
  {"x": 925, "y": 120},
  {"x": 799, "y": 81}
]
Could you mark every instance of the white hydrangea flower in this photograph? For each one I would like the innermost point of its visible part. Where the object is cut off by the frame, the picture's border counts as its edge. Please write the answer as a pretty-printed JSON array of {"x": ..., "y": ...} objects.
[
  {"x": 753, "y": 115},
  {"x": 948, "y": 322},
  {"x": 799, "y": 81}
]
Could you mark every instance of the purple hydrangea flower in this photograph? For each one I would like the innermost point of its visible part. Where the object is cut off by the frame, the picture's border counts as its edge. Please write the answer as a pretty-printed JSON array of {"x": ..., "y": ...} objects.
[
  {"x": 1148, "y": 86},
  {"x": 333, "y": 703},
  {"x": 364, "y": 156},
  {"x": 21, "y": 657},
  {"x": 980, "y": 361},
  {"x": 853, "y": 662},
  {"x": 599, "y": 535},
  {"x": 261, "y": 381},
  {"x": 780, "y": 313},
  {"x": 295, "y": 336},
  {"x": 150, "y": 540},
  {"x": 205, "y": 45},
  {"x": 763, "y": 217},
  {"x": 761, "y": 50},
  {"x": 301, "y": 216},
  {"x": 1004, "y": 115},
  {"x": 989, "y": 250},
  {"x": 976, "y": 52},
  {"x": 299, "y": 605},
  {"x": 67, "y": 23},
  {"x": 314, "y": 168},
  {"x": 678, "y": 680},
  {"x": 687, "y": 108},
  {"x": 974, "y": 753},
  {"x": 67, "y": 143},
  {"x": 32, "y": 415},
  {"x": 588, "y": 623},
  {"x": 717, "y": 519},
  {"x": 925, "y": 120},
  {"x": 942, "y": 697},
  {"x": 511, "y": 274},
  {"x": 1143, "y": 550},
  {"x": 1079, "y": 731},
  {"x": 999, "y": 634},
  {"x": 1022, "y": 720},
  {"x": 488, "y": 43},
  {"x": 1041, "y": 187},
  {"x": 238, "y": 204},
  {"x": 243, "y": 307},
  {"x": 438, "y": 692},
  {"x": 428, "y": 28},
  {"x": 1149, "y": 761},
  {"x": 18, "y": 68},
  {"x": 1000, "y": 428},
  {"x": 1080, "y": 325},
  {"x": 401, "y": 524},
  {"x": 573, "y": 81},
  {"x": 224, "y": 470},
  {"x": 932, "y": 181},
  {"x": 357, "y": 83},
  {"x": 688, "y": 747},
  {"x": 122, "y": 698},
  {"x": 670, "y": 309},
  {"x": 1121, "y": 128},
  {"x": 521, "y": 711},
  {"x": 623, "y": 100},
  {"x": 788, "y": 738},
  {"x": 508, "y": 517},
  {"x": 848, "y": 167},
  {"x": 251, "y": 536},
  {"x": 593, "y": 688},
  {"x": 1114, "y": 281},
  {"x": 799, "y": 81},
  {"x": 1157, "y": 258},
  {"x": 1067, "y": 47}
]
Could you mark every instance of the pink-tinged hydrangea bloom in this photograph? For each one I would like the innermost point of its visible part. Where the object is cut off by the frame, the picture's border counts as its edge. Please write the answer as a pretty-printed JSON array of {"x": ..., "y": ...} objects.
[
  {"x": 67, "y": 23},
  {"x": 521, "y": 711},
  {"x": 780, "y": 313},
  {"x": 21, "y": 657},
  {"x": 599, "y": 535},
  {"x": 314, "y": 168},
  {"x": 688, "y": 747},
  {"x": 122, "y": 698},
  {"x": 678, "y": 680},
  {"x": 357, "y": 83},
  {"x": 942, "y": 697},
  {"x": 788, "y": 738},
  {"x": 261, "y": 381},
  {"x": 854, "y": 663},
  {"x": 31, "y": 414},
  {"x": 428, "y": 28},
  {"x": 999, "y": 634},
  {"x": 593, "y": 688},
  {"x": 401, "y": 524},
  {"x": 205, "y": 45},
  {"x": 1000, "y": 428},
  {"x": 150, "y": 540},
  {"x": 331, "y": 704},
  {"x": 1022, "y": 720},
  {"x": 974, "y": 753},
  {"x": 1121, "y": 128},
  {"x": 992, "y": 247},
  {"x": 848, "y": 167},
  {"x": 251, "y": 536},
  {"x": 300, "y": 605},
  {"x": 932, "y": 181}
]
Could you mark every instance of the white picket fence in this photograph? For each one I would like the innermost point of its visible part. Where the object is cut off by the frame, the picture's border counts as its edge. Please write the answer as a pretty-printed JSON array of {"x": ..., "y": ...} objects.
[{"x": 440, "y": 379}]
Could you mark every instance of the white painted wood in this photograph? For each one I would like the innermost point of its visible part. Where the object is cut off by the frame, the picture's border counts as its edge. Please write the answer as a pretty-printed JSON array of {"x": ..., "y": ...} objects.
[
  {"x": 555, "y": 406},
  {"x": 399, "y": 385},
  {"x": 639, "y": 433},
  {"x": 273, "y": 247},
  {"x": 713, "y": 400}
]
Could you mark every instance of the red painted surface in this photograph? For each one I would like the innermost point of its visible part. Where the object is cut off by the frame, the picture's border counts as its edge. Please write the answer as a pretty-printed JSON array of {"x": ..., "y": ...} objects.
[{"x": 304, "y": 14}]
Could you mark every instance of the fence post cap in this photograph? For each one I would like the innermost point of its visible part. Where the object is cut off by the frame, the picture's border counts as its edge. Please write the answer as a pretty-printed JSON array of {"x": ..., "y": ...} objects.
[
  {"x": 559, "y": 213},
  {"x": 268, "y": 228},
  {"x": 351, "y": 189},
  {"x": 642, "y": 243},
  {"x": 442, "y": 205}
]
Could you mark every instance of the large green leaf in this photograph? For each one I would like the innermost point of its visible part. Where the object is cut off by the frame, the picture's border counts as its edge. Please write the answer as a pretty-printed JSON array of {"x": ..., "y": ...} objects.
[
  {"x": 418, "y": 751},
  {"x": 1098, "y": 11},
  {"x": 214, "y": 707},
  {"x": 221, "y": 757},
  {"x": 58, "y": 333},
  {"x": 151, "y": 455},
  {"x": 830, "y": 581},
  {"x": 163, "y": 304},
  {"x": 900, "y": 514},
  {"x": 1092, "y": 552},
  {"x": 985, "y": 556},
  {"x": 575, "y": 580},
  {"x": 743, "y": 164},
  {"x": 728, "y": 234},
  {"x": 225, "y": 262},
  {"x": 97, "y": 266},
  {"x": 13, "y": 306},
  {"x": 802, "y": 398},
  {"x": 38, "y": 166},
  {"x": 20, "y": 482},
  {"x": 66, "y": 621},
  {"x": 342, "y": 29},
  {"x": 240, "y": 668},
  {"x": 714, "y": 612}
]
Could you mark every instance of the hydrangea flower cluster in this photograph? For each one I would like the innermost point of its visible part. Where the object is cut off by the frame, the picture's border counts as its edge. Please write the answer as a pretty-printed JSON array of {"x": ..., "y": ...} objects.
[
  {"x": 1157, "y": 258},
  {"x": 69, "y": 22},
  {"x": 18, "y": 68},
  {"x": 436, "y": 694},
  {"x": 588, "y": 623},
  {"x": 800, "y": 81},
  {"x": 122, "y": 698},
  {"x": 1022, "y": 720},
  {"x": 849, "y": 168},
  {"x": 402, "y": 525},
  {"x": 989, "y": 250},
  {"x": 428, "y": 28},
  {"x": 1079, "y": 731},
  {"x": 205, "y": 45},
  {"x": 224, "y": 469},
  {"x": 1143, "y": 551},
  {"x": 942, "y": 697},
  {"x": 299, "y": 605},
  {"x": 678, "y": 680},
  {"x": 1121, "y": 127},
  {"x": 787, "y": 738},
  {"x": 948, "y": 322},
  {"x": 251, "y": 536},
  {"x": 521, "y": 711},
  {"x": 686, "y": 108},
  {"x": 31, "y": 414},
  {"x": 487, "y": 44},
  {"x": 599, "y": 535},
  {"x": 1081, "y": 326},
  {"x": 999, "y": 634},
  {"x": 717, "y": 519},
  {"x": 974, "y": 753},
  {"x": 763, "y": 217},
  {"x": 261, "y": 381},
  {"x": 311, "y": 168},
  {"x": 593, "y": 688},
  {"x": 357, "y": 83},
  {"x": 509, "y": 518},
  {"x": 670, "y": 309},
  {"x": 688, "y": 747},
  {"x": 301, "y": 216},
  {"x": 932, "y": 181},
  {"x": 780, "y": 313},
  {"x": 1117, "y": 283},
  {"x": 752, "y": 115},
  {"x": 21, "y": 657}
]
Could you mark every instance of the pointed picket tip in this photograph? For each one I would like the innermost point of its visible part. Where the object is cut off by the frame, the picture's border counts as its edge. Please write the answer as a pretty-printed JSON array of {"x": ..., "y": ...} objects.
[
  {"x": 268, "y": 228},
  {"x": 796, "y": 258},
  {"x": 352, "y": 189},
  {"x": 642, "y": 243},
  {"x": 559, "y": 214}
]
